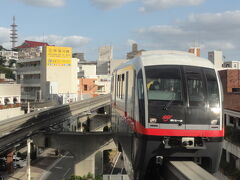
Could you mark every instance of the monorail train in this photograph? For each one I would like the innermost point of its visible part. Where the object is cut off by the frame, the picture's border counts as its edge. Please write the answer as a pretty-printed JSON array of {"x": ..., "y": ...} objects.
[{"x": 167, "y": 105}]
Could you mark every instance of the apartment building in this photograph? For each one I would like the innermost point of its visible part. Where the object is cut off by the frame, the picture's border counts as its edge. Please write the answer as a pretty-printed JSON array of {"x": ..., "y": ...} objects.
[
  {"x": 48, "y": 73},
  {"x": 231, "y": 87}
]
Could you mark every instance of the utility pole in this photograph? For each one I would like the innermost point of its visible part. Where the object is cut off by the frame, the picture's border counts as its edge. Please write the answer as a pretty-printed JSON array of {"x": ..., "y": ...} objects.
[{"x": 29, "y": 159}]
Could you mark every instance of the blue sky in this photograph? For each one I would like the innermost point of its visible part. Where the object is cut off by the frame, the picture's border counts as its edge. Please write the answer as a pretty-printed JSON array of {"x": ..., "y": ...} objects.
[{"x": 153, "y": 24}]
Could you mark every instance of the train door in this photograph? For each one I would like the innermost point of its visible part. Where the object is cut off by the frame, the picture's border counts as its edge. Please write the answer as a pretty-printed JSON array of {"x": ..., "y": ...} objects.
[{"x": 196, "y": 113}]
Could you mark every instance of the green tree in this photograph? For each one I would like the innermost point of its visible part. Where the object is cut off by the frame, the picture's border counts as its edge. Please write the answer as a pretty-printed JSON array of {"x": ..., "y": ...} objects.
[
  {"x": 8, "y": 72},
  {"x": 2, "y": 61}
]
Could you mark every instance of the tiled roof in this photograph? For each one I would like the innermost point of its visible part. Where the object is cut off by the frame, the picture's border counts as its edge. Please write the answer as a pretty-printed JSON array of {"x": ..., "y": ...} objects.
[{"x": 30, "y": 44}]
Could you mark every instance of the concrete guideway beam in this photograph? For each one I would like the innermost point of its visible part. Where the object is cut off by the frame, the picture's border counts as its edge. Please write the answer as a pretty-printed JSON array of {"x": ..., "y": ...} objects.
[{"x": 186, "y": 170}]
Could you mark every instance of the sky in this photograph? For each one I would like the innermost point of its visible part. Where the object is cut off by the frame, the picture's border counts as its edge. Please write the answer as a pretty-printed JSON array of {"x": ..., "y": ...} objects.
[{"x": 85, "y": 25}]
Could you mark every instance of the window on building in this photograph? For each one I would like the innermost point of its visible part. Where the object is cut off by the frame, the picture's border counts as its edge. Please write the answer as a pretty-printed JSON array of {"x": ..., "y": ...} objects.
[
  {"x": 231, "y": 119},
  {"x": 236, "y": 90},
  {"x": 238, "y": 121},
  {"x": 85, "y": 87},
  {"x": 15, "y": 100},
  {"x": 6, "y": 101},
  {"x": 225, "y": 119}
]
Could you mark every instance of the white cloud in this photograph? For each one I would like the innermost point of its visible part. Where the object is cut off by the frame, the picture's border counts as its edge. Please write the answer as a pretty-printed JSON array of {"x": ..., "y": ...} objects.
[
  {"x": 146, "y": 5},
  {"x": 109, "y": 4},
  {"x": 71, "y": 41},
  {"x": 5, "y": 37},
  {"x": 44, "y": 3},
  {"x": 211, "y": 31},
  {"x": 150, "y": 5},
  {"x": 130, "y": 42}
]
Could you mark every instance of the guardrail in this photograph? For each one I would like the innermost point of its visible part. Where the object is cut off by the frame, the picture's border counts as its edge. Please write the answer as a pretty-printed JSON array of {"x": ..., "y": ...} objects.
[{"x": 15, "y": 129}]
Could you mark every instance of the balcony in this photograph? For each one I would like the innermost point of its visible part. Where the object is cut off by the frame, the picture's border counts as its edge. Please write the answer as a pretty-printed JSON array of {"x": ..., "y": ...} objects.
[
  {"x": 28, "y": 70},
  {"x": 30, "y": 82}
]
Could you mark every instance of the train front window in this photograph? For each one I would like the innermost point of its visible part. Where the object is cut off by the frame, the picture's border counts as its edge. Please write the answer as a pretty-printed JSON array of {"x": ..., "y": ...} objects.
[
  {"x": 164, "y": 83},
  {"x": 195, "y": 86},
  {"x": 212, "y": 87}
]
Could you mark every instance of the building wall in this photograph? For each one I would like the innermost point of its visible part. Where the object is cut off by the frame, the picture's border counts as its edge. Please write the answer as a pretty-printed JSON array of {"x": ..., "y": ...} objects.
[
  {"x": 87, "y": 88},
  {"x": 89, "y": 70},
  {"x": 195, "y": 50},
  {"x": 232, "y": 64},
  {"x": 231, "y": 79},
  {"x": 10, "y": 99},
  {"x": 60, "y": 78},
  {"x": 216, "y": 57},
  {"x": 11, "y": 112}
]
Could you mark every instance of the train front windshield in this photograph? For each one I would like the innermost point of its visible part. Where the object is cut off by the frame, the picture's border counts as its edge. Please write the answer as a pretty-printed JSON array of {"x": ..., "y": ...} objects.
[{"x": 183, "y": 94}]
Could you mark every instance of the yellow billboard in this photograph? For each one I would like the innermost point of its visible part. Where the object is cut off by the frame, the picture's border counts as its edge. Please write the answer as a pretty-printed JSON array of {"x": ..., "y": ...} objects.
[{"x": 58, "y": 56}]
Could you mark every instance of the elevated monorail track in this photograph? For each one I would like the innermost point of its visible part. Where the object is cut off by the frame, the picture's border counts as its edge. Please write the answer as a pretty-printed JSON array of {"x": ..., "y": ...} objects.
[{"x": 14, "y": 130}]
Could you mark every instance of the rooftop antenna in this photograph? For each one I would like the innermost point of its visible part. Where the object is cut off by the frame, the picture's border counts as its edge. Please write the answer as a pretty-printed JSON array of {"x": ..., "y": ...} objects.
[{"x": 13, "y": 34}]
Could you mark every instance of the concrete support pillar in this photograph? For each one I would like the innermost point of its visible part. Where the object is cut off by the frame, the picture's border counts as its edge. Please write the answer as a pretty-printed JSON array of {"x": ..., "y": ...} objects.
[
  {"x": 238, "y": 163},
  {"x": 83, "y": 167},
  {"x": 10, "y": 100},
  {"x": 10, "y": 162},
  {"x": 227, "y": 156},
  {"x": 1, "y": 100},
  {"x": 227, "y": 120},
  {"x": 99, "y": 163}
]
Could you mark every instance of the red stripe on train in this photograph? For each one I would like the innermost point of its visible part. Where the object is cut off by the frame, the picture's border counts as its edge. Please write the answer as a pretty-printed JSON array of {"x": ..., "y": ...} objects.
[{"x": 139, "y": 128}]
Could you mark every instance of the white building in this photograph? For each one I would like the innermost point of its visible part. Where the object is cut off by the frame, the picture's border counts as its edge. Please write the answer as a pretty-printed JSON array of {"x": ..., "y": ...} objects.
[
  {"x": 103, "y": 84},
  {"x": 87, "y": 69},
  {"x": 231, "y": 64},
  {"x": 50, "y": 77},
  {"x": 104, "y": 58},
  {"x": 10, "y": 100},
  {"x": 9, "y": 55},
  {"x": 216, "y": 57}
]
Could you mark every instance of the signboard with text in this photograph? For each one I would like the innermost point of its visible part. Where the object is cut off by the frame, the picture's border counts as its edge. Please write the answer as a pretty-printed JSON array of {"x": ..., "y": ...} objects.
[{"x": 58, "y": 56}]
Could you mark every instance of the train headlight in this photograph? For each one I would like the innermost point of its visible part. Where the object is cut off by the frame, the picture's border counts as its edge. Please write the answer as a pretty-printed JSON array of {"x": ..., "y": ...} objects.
[
  {"x": 214, "y": 122},
  {"x": 152, "y": 120},
  {"x": 215, "y": 110}
]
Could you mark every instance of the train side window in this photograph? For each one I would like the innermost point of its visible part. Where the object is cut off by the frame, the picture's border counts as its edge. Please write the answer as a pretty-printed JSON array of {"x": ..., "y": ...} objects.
[
  {"x": 118, "y": 85},
  {"x": 122, "y": 87},
  {"x": 141, "y": 102},
  {"x": 212, "y": 87}
]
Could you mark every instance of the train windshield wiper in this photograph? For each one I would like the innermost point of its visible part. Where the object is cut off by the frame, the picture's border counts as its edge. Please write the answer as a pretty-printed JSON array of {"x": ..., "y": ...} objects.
[{"x": 169, "y": 103}]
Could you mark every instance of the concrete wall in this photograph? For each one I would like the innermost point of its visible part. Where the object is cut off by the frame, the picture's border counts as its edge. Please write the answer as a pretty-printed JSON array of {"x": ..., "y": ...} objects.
[
  {"x": 89, "y": 70},
  {"x": 10, "y": 89},
  {"x": 11, "y": 112},
  {"x": 216, "y": 57},
  {"x": 230, "y": 79}
]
